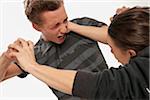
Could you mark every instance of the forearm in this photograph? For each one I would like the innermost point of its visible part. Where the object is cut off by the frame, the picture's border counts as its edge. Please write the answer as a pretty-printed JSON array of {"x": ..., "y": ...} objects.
[
  {"x": 95, "y": 33},
  {"x": 4, "y": 64},
  {"x": 61, "y": 80}
]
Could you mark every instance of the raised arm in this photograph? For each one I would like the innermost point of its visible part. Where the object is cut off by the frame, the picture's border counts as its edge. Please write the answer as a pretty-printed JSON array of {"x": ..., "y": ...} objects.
[
  {"x": 61, "y": 80},
  {"x": 7, "y": 68},
  {"x": 94, "y": 33}
]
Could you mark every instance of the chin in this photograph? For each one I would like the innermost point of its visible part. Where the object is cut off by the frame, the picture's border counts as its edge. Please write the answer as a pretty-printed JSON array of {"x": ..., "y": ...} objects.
[{"x": 60, "y": 42}]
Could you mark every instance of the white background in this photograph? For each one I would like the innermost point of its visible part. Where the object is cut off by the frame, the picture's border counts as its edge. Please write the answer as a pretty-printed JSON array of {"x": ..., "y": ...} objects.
[{"x": 14, "y": 24}]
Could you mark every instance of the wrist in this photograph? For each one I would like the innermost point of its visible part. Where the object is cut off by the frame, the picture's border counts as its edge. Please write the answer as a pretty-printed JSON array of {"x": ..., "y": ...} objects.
[
  {"x": 4, "y": 61},
  {"x": 5, "y": 58},
  {"x": 32, "y": 67}
]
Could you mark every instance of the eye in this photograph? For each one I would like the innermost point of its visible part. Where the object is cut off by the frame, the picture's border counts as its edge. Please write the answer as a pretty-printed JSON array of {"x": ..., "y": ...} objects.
[
  {"x": 55, "y": 26},
  {"x": 66, "y": 20}
]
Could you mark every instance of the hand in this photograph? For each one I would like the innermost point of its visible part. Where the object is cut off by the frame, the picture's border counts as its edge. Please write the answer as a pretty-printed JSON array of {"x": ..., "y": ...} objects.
[
  {"x": 6, "y": 53},
  {"x": 71, "y": 26},
  {"x": 68, "y": 30},
  {"x": 119, "y": 11},
  {"x": 24, "y": 53}
]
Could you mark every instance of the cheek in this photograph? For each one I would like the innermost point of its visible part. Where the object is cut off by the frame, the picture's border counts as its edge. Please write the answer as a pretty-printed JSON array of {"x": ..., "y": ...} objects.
[
  {"x": 54, "y": 32},
  {"x": 51, "y": 33}
]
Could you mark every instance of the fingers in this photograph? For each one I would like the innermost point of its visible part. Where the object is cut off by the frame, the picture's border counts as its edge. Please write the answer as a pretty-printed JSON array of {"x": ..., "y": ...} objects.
[
  {"x": 121, "y": 10},
  {"x": 6, "y": 54},
  {"x": 26, "y": 44},
  {"x": 23, "y": 42},
  {"x": 14, "y": 47},
  {"x": 19, "y": 44},
  {"x": 12, "y": 55},
  {"x": 71, "y": 26},
  {"x": 67, "y": 28},
  {"x": 31, "y": 45}
]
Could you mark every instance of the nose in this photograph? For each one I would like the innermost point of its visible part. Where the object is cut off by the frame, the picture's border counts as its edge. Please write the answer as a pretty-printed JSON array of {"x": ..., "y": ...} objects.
[{"x": 63, "y": 28}]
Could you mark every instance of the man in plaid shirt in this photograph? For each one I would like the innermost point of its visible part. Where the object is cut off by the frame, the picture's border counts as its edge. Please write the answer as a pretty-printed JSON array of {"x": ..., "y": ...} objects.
[{"x": 57, "y": 47}]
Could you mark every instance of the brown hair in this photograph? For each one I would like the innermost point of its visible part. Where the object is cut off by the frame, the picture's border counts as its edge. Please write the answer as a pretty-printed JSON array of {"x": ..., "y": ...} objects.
[
  {"x": 34, "y": 8},
  {"x": 130, "y": 29}
]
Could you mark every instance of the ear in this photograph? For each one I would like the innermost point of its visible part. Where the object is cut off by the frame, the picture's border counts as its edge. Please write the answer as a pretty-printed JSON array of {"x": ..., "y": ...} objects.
[
  {"x": 36, "y": 27},
  {"x": 132, "y": 53}
]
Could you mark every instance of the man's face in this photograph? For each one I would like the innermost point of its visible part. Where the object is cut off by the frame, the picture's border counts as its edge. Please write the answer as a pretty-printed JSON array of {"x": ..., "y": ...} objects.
[{"x": 54, "y": 27}]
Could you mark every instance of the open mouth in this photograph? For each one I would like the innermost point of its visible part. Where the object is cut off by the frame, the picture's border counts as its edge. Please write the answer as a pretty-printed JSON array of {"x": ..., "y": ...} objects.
[{"x": 61, "y": 37}]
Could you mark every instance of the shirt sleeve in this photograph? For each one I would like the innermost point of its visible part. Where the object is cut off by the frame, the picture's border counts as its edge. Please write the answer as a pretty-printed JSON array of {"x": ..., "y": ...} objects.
[
  {"x": 85, "y": 84},
  {"x": 23, "y": 74},
  {"x": 100, "y": 85},
  {"x": 125, "y": 82}
]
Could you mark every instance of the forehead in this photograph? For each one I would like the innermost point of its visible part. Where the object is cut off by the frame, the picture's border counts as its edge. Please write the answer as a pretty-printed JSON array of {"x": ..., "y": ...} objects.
[{"x": 54, "y": 16}]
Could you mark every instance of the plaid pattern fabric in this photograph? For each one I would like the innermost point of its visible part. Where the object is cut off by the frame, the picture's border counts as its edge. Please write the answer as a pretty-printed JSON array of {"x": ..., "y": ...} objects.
[{"x": 76, "y": 53}]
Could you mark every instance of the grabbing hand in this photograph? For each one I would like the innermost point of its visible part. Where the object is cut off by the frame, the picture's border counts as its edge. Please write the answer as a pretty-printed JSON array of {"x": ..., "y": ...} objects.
[
  {"x": 24, "y": 53},
  {"x": 6, "y": 53},
  {"x": 71, "y": 26},
  {"x": 119, "y": 11}
]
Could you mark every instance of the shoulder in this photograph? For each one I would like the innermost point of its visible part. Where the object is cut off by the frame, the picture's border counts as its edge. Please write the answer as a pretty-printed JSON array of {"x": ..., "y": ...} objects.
[{"x": 88, "y": 21}]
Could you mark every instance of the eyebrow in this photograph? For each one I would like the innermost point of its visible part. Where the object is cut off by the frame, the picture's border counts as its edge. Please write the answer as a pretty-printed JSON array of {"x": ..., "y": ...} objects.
[{"x": 59, "y": 23}]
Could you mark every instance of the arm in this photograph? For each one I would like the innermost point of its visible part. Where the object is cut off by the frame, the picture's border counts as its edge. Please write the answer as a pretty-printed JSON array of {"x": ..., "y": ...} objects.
[
  {"x": 4, "y": 64},
  {"x": 12, "y": 71},
  {"x": 8, "y": 69},
  {"x": 95, "y": 33},
  {"x": 61, "y": 80}
]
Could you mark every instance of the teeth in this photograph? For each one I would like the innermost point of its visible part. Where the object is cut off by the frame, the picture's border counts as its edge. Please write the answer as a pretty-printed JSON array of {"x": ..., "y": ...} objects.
[{"x": 60, "y": 36}]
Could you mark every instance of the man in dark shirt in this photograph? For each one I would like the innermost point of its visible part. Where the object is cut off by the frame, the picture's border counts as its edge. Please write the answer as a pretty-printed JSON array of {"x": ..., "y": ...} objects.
[{"x": 58, "y": 48}]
